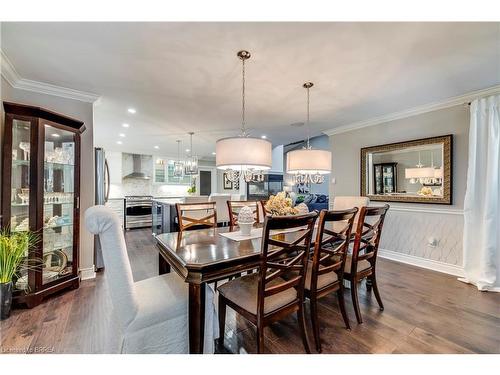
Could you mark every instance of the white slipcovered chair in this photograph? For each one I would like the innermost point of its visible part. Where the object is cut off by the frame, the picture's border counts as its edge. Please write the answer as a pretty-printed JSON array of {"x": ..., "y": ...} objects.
[
  {"x": 221, "y": 206},
  {"x": 148, "y": 316},
  {"x": 346, "y": 203}
]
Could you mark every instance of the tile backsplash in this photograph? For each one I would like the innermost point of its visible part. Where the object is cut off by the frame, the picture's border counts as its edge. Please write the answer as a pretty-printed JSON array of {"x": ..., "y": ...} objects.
[{"x": 145, "y": 187}]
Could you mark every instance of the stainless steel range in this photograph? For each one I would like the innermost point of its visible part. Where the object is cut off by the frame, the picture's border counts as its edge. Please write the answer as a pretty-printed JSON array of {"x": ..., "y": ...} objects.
[{"x": 138, "y": 211}]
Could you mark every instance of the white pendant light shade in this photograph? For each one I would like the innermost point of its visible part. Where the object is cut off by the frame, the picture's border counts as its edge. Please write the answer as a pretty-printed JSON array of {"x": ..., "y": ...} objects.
[
  {"x": 309, "y": 161},
  {"x": 427, "y": 172},
  {"x": 243, "y": 153},
  {"x": 438, "y": 173}
]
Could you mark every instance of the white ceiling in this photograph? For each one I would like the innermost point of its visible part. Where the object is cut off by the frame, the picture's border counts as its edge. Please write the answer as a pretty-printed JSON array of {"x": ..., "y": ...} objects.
[{"x": 186, "y": 77}]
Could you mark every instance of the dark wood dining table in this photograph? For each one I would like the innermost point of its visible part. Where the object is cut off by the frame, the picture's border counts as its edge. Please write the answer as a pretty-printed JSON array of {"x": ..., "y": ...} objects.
[{"x": 203, "y": 256}]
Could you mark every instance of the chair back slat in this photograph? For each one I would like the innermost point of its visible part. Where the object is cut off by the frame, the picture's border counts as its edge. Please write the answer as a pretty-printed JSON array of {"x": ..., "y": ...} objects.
[
  {"x": 280, "y": 256},
  {"x": 192, "y": 215},
  {"x": 367, "y": 238},
  {"x": 234, "y": 208},
  {"x": 331, "y": 244}
]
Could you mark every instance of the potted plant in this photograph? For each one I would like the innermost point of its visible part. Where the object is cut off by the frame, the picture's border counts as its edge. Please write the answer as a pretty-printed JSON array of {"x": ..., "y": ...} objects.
[
  {"x": 192, "y": 190},
  {"x": 14, "y": 247}
]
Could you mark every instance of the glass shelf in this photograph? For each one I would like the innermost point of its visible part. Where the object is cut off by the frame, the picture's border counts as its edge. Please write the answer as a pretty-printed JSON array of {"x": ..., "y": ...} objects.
[
  {"x": 58, "y": 166},
  {"x": 58, "y": 226},
  {"x": 20, "y": 162}
]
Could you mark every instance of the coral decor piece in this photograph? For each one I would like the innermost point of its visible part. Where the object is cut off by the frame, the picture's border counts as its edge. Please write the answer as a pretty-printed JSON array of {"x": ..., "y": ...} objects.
[
  {"x": 280, "y": 205},
  {"x": 302, "y": 209},
  {"x": 246, "y": 216}
]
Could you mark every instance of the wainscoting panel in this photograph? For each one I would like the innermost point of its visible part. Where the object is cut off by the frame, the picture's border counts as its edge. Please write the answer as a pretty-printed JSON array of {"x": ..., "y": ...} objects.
[{"x": 432, "y": 234}]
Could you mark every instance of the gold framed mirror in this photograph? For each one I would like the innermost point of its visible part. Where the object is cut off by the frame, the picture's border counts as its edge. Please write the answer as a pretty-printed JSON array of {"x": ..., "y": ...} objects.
[{"x": 418, "y": 171}]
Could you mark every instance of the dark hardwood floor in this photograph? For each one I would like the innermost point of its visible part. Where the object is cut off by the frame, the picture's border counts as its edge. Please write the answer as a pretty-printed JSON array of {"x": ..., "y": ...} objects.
[{"x": 425, "y": 312}]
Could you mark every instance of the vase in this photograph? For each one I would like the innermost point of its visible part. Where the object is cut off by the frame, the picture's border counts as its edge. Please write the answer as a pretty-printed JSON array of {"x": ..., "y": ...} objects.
[
  {"x": 5, "y": 299},
  {"x": 245, "y": 228}
]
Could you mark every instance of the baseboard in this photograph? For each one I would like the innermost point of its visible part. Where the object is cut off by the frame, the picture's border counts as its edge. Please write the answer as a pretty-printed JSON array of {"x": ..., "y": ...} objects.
[
  {"x": 430, "y": 264},
  {"x": 87, "y": 273}
]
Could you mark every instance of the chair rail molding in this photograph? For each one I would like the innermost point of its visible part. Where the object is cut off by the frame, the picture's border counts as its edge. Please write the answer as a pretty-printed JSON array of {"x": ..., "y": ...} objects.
[
  {"x": 9, "y": 72},
  {"x": 450, "y": 102}
]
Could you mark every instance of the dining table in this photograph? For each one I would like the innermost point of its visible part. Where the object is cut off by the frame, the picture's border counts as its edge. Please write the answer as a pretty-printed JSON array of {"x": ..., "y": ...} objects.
[{"x": 204, "y": 256}]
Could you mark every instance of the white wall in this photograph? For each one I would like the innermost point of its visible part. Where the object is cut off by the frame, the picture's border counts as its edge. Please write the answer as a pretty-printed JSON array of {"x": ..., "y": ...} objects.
[
  {"x": 408, "y": 227},
  {"x": 82, "y": 111}
]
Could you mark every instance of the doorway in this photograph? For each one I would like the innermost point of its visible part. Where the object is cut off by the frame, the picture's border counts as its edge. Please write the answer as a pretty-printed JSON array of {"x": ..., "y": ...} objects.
[{"x": 205, "y": 182}]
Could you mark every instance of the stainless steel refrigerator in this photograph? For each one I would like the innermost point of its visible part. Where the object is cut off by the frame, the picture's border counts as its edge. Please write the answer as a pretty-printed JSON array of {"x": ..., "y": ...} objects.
[{"x": 101, "y": 197}]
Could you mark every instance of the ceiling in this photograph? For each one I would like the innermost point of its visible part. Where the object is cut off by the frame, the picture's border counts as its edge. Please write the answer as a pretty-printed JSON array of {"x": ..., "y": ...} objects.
[{"x": 184, "y": 77}]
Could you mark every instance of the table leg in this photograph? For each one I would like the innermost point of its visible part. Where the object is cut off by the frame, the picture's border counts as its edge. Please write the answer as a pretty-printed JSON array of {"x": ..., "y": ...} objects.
[
  {"x": 163, "y": 266},
  {"x": 196, "y": 317}
]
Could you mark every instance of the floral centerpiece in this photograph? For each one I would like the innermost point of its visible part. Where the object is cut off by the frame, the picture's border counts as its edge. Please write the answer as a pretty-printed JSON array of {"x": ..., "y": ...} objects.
[{"x": 280, "y": 205}]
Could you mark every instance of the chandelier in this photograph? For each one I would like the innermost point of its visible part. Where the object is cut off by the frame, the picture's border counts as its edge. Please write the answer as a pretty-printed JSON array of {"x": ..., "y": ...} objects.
[
  {"x": 423, "y": 175},
  {"x": 191, "y": 163},
  {"x": 309, "y": 165},
  {"x": 178, "y": 165},
  {"x": 243, "y": 154}
]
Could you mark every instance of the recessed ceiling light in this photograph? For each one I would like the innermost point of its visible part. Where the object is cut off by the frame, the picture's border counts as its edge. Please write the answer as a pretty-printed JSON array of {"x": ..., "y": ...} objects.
[
  {"x": 56, "y": 135},
  {"x": 125, "y": 125},
  {"x": 119, "y": 142},
  {"x": 157, "y": 147},
  {"x": 213, "y": 153},
  {"x": 131, "y": 110},
  {"x": 122, "y": 135},
  {"x": 187, "y": 150},
  {"x": 263, "y": 136}
]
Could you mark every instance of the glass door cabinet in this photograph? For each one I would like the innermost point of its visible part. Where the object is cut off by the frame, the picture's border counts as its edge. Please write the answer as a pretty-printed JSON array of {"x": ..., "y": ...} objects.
[{"x": 41, "y": 193}]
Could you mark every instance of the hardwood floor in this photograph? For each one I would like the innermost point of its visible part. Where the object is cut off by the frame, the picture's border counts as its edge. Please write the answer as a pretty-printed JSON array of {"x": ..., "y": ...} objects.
[{"x": 425, "y": 312}]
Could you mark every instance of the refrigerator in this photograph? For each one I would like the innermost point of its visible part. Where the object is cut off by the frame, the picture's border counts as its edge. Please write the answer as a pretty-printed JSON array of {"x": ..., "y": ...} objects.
[{"x": 101, "y": 189}]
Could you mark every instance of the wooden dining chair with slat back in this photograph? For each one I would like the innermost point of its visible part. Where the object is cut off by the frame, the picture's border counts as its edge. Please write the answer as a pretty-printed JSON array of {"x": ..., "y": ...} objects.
[
  {"x": 265, "y": 297},
  {"x": 234, "y": 208},
  {"x": 325, "y": 271},
  {"x": 196, "y": 215},
  {"x": 264, "y": 210},
  {"x": 361, "y": 264}
]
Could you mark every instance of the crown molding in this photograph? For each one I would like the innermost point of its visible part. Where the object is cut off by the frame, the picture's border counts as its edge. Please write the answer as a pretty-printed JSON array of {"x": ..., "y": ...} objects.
[
  {"x": 16, "y": 81},
  {"x": 451, "y": 102}
]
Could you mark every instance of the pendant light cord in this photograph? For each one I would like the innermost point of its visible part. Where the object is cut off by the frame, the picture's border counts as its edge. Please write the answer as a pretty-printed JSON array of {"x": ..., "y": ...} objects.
[
  {"x": 308, "y": 126},
  {"x": 243, "y": 130}
]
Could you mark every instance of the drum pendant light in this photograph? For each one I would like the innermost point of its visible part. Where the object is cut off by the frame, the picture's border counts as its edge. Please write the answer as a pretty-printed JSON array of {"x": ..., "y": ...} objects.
[
  {"x": 309, "y": 165},
  {"x": 244, "y": 154}
]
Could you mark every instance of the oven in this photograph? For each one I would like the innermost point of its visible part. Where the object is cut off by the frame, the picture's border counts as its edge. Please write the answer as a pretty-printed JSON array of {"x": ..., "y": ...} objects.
[{"x": 138, "y": 211}]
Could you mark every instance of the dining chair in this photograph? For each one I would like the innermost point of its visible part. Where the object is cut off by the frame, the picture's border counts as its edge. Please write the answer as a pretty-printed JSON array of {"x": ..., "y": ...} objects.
[
  {"x": 325, "y": 271},
  {"x": 234, "y": 208},
  {"x": 221, "y": 207},
  {"x": 148, "y": 316},
  {"x": 348, "y": 202},
  {"x": 361, "y": 264},
  {"x": 196, "y": 215},
  {"x": 263, "y": 206},
  {"x": 265, "y": 297}
]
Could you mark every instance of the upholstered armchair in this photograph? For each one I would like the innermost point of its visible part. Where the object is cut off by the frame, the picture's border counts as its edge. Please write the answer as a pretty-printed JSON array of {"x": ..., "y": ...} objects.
[{"x": 148, "y": 316}]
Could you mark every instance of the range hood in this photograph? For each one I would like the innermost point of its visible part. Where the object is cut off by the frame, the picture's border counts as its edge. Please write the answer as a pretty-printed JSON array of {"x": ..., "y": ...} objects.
[{"x": 138, "y": 172}]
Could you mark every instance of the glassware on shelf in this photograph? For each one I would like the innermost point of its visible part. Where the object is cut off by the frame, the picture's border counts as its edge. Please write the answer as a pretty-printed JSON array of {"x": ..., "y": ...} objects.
[
  {"x": 25, "y": 146},
  {"x": 57, "y": 197},
  {"x": 59, "y": 156}
]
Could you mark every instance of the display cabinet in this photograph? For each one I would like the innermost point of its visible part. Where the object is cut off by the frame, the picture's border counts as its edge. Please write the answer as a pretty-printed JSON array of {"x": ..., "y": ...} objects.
[
  {"x": 385, "y": 178},
  {"x": 41, "y": 193}
]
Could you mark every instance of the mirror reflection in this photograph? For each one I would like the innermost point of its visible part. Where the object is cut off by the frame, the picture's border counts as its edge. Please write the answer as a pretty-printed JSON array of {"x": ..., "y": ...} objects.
[
  {"x": 412, "y": 171},
  {"x": 415, "y": 171}
]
